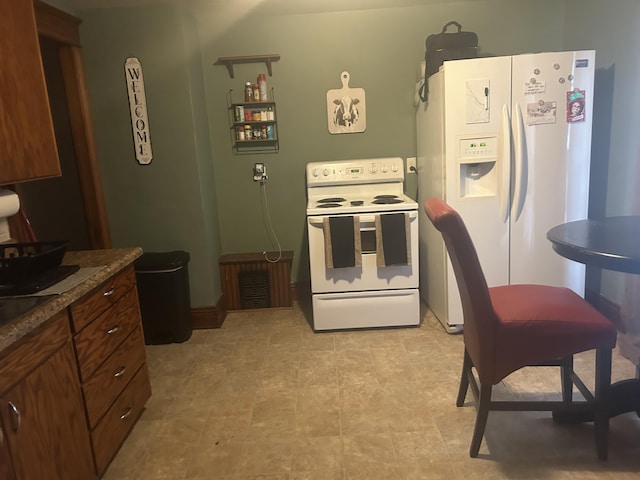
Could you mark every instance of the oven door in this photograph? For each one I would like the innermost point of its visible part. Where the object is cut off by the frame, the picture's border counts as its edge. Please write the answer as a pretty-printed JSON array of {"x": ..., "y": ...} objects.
[{"x": 368, "y": 276}]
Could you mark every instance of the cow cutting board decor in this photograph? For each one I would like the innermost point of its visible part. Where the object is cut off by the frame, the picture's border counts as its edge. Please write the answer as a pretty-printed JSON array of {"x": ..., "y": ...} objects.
[{"x": 346, "y": 108}]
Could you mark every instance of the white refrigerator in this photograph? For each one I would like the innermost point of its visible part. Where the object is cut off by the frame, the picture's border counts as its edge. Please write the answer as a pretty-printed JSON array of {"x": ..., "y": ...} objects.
[{"x": 506, "y": 141}]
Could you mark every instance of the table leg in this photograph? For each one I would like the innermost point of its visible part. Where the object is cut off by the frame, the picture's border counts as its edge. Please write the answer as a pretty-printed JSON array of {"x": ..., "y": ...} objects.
[{"x": 623, "y": 398}]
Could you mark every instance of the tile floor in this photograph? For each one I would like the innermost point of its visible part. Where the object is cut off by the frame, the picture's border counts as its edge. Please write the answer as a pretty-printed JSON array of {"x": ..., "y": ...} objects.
[{"x": 265, "y": 398}]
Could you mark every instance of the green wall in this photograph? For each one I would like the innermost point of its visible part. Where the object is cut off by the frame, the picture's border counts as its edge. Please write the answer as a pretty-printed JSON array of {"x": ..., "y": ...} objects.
[
  {"x": 615, "y": 162},
  {"x": 169, "y": 204},
  {"x": 179, "y": 203},
  {"x": 381, "y": 49}
]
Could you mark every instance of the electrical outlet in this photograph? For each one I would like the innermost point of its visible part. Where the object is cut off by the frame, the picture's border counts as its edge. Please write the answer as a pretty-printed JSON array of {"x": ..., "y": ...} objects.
[
  {"x": 411, "y": 165},
  {"x": 259, "y": 172}
]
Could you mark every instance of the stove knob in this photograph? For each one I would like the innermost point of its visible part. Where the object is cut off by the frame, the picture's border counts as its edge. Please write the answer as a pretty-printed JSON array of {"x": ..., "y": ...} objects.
[
  {"x": 326, "y": 172},
  {"x": 384, "y": 168},
  {"x": 373, "y": 168},
  {"x": 315, "y": 172},
  {"x": 394, "y": 167}
]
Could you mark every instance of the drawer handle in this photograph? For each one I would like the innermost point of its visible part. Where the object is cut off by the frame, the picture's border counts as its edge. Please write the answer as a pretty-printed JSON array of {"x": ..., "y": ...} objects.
[
  {"x": 113, "y": 330},
  {"x": 125, "y": 414},
  {"x": 120, "y": 372},
  {"x": 14, "y": 413},
  {"x": 109, "y": 292}
]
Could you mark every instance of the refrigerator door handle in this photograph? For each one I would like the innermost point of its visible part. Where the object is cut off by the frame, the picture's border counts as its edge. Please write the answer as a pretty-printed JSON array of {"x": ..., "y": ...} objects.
[
  {"x": 520, "y": 167},
  {"x": 504, "y": 164}
]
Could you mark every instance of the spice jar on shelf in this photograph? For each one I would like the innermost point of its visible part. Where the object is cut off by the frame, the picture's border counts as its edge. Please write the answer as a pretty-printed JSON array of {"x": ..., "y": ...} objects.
[
  {"x": 248, "y": 92},
  {"x": 239, "y": 113}
]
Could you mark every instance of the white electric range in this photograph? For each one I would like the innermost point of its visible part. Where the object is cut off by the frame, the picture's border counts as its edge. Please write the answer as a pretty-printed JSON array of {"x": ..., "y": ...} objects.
[{"x": 363, "y": 244}]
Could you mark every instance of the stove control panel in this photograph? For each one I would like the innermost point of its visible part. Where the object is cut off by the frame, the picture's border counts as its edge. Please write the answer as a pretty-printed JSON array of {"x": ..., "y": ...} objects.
[{"x": 372, "y": 170}]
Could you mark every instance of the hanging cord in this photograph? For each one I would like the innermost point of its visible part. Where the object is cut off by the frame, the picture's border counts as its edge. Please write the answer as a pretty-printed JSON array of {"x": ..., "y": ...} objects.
[{"x": 267, "y": 218}]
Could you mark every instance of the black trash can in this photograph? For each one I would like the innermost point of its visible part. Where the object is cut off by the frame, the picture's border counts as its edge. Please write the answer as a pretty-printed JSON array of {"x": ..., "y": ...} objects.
[{"x": 163, "y": 291}]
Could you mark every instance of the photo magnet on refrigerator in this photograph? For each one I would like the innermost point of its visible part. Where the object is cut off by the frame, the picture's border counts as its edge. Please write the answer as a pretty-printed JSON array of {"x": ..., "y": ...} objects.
[
  {"x": 541, "y": 113},
  {"x": 575, "y": 106}
]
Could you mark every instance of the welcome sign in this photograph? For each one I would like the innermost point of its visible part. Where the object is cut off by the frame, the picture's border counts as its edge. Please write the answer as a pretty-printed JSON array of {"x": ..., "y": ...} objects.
[{"x": 138, "y": 108}]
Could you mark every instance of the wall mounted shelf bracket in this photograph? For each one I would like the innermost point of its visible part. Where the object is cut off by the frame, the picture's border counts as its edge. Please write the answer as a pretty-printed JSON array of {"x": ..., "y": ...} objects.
[{"x": 229, "y": 62}]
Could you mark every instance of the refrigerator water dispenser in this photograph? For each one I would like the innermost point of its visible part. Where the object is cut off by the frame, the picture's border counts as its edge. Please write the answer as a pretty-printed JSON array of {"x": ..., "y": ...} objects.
[
  {"x": 477, "y": 164},
  {"x": 478, "y": 179}
]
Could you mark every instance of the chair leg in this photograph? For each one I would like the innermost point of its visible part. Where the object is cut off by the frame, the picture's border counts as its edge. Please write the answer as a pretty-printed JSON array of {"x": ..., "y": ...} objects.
[
  {"x": 565, "y": 377},
  {"x": 484, "y": 402},
  {"x": 602, "y": 390},
  {"x": 464, "y": 379}
]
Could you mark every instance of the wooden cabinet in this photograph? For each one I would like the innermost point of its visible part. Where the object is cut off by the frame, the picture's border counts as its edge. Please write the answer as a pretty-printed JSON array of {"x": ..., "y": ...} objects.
[
  {"x": 6, "y": 467},
  {"x": 109, "y": 346},
  {"x": 27, "y": 140},
  {"x": 41, "y": 406}
]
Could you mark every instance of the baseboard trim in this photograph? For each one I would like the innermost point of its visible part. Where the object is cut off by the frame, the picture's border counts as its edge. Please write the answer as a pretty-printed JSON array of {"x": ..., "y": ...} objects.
[{"x": 208, "y": 317}]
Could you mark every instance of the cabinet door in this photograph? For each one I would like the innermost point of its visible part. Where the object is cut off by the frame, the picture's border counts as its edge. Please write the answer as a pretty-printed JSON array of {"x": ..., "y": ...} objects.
[
  {"x": 27, "y": 141},
  {"x": 6, "y": 469},
  {"x": 44, "y": 426}
]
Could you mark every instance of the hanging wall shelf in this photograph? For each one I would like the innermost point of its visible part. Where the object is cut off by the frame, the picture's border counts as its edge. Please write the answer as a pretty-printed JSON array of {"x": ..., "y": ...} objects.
[{"x": 229, "y": 62}]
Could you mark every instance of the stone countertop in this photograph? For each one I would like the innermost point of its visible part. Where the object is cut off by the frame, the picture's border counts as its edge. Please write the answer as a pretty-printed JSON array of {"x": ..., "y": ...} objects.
[{"x": 113, "y": 260}]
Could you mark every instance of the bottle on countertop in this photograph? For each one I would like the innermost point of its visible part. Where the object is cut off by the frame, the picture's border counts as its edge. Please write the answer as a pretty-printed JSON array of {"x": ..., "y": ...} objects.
[{"x": 248, "y": 92}]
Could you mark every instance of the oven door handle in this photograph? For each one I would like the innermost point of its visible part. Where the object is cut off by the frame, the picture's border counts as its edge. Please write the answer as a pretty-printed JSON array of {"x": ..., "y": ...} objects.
[{"x": 318, "y": 221}]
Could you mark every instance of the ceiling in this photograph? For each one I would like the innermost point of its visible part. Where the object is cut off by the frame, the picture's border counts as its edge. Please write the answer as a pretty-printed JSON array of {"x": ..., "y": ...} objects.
[{"x": 266, "y": 6}]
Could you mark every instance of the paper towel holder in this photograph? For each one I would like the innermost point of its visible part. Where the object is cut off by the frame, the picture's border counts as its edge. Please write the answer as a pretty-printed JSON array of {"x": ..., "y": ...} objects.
[{"x": 9, "y": 205}]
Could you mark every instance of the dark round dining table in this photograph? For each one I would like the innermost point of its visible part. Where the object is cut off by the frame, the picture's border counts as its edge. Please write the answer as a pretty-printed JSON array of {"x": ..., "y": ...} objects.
[{"x": 612, "y": 243}]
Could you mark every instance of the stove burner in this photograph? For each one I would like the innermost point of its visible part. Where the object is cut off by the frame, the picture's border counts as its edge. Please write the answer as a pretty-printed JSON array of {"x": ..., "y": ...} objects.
[
  {"x": 329, "y": 205},
  {"x": 387, "y": 199},
  {"x": 332, "y": 200}
]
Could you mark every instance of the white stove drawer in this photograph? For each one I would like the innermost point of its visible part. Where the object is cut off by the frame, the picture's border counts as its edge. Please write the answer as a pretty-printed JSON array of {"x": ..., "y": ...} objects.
[{"x": 388, "y": 308}]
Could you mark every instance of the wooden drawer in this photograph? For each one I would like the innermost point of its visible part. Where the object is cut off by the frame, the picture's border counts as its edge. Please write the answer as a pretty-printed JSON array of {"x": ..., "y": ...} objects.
[
  {"x": 116, "y": 423},
  {"x": 100, "y": 338},
  {"x": 101, "y": 298},
  {"x": 112, "y": 376}
]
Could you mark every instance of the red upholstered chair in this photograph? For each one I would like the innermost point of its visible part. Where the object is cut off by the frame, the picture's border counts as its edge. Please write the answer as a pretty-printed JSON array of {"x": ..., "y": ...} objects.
[{"x": 513, "y": 326}]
